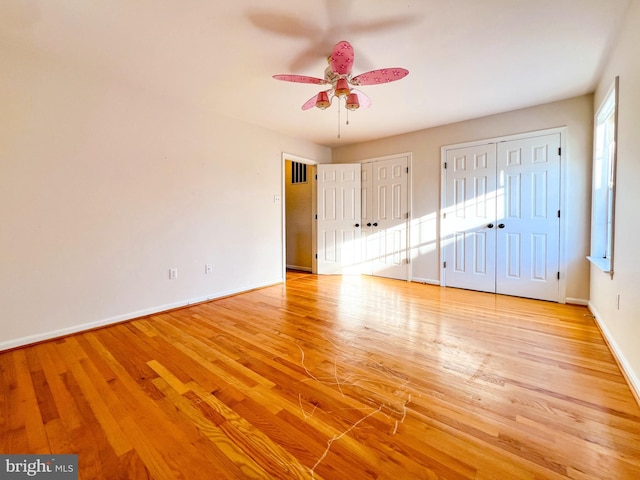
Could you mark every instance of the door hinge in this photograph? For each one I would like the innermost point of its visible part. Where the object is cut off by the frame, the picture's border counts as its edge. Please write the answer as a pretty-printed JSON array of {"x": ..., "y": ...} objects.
[
  {"x": 444, "y": 215},
  {"x": 444, "y": 265},
  {"x": 445, "y": 165},
  {"x": 558, "y": 213},
  {"x": 316, "y": 256},
  {"x": 316, "y": 216},
  {"x": 316, "y": 176},
  {"x": 558, "y": 275},
  {"x": 407, "y": 169},
  {"x": 560, "y": 151}
]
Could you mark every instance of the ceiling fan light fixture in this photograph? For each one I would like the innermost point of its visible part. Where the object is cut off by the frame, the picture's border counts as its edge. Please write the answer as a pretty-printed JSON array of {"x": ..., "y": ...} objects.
[
  {"x": 342, "y": 88},
  {"x": 322, "y": 100},
  {"x": 352, "y": 101},
  {"x": 338, "y": 76}
]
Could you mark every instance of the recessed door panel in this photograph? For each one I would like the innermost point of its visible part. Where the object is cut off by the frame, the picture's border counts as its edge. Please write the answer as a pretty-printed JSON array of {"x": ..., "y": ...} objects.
[
  {"x": 330, "y": 243},
  {"x": 480, "y": 253},
  {"x": 539, "y": 195},
  {"x": 513, "y": 255},
  {"x": 460, "y": 197},
  {"x": 539, "y": 257},
  {"x": 513, "y": 196},
  {"x": 459, "y": 249}
]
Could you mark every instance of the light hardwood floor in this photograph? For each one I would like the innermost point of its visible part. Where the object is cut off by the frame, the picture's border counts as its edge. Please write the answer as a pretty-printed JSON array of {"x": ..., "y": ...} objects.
[{"x": 335, "y": 378}]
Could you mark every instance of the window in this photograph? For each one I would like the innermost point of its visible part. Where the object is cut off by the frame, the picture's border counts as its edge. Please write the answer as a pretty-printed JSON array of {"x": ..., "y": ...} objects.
[
  {"x": 298, "y": 173},
  {"x": 604, "y": 176}
]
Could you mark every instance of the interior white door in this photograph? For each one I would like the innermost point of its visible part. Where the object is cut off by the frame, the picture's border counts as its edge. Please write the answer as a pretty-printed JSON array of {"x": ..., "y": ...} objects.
[
  {"x": 469, "y": 218},
  {"x": 339, "y": 219},
  {"x": 388, "y": 231},
  {"x": 528, "y": 217}
]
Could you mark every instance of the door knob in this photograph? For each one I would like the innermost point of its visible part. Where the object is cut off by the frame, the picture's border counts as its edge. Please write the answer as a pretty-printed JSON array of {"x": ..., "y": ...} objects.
[
  {"x": 369, "y": 224},
  {"x": 375, "y": 224},
  {"x": 501, "y": 225},
  {"x": 490, "y": 225},
  {"x": 357, "y": 225}
]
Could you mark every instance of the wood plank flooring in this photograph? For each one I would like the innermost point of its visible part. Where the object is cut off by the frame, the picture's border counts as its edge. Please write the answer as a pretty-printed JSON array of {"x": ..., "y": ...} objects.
[{"x": 331, "y": 378}]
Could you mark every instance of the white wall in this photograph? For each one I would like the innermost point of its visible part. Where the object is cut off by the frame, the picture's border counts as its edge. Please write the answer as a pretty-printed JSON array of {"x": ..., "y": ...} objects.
[
  {"x": 575, "y": 113},
  {"x": 622, "y": 326},
  {"x": 104, "y": 187}
]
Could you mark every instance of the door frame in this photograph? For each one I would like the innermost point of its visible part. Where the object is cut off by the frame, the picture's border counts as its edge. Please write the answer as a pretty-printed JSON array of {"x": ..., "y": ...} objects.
[
  {"x": 283, "y": 213},
  {"x": 562, "y": 256}
]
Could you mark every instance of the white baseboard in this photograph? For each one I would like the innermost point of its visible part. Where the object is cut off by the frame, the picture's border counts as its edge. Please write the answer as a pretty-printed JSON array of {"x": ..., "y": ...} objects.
[
  {"x": 627, "y": 371},
  {"x": 40, "y": 337},
  {"x": 577, "y": 301},
  {"x": 428, "y": 281},
  {"x": 297, "y": 267}
]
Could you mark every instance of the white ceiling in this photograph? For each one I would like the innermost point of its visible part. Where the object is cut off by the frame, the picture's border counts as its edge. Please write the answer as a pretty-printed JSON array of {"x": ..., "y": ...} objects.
[{"x": 467, "y": 58}]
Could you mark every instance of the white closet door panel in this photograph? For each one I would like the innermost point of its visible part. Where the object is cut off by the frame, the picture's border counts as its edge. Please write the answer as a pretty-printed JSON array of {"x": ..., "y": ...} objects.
[
  {"x": 339, "y": 212},
  {"x": 469, "y": 214},
  {"x": 528, "y": 240}
]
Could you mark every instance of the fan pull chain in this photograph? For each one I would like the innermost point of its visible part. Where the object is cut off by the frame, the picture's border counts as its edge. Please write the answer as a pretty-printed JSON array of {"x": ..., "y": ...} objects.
[{"x": 338, "y": 119}]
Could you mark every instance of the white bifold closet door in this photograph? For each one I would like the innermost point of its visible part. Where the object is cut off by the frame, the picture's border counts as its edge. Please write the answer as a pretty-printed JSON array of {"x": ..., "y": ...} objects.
[
  {"x": 363, "y": 218},
  {"x": 501, "y": 225}
]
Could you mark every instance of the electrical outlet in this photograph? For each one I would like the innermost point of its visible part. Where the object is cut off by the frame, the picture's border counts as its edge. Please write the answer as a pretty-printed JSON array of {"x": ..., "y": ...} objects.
[
  {"x": 173, "y": 273},
  {"x": 208, "y": 268},
  {"x": 276, "y": 198}
]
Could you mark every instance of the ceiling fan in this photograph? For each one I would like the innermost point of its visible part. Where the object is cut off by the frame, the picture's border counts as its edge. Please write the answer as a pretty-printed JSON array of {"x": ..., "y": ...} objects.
[{"x": 338, "y": 75}]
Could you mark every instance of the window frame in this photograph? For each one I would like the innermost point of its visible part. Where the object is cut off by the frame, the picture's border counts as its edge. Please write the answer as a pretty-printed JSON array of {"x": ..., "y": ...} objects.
[{"x": 603, "y": 193}]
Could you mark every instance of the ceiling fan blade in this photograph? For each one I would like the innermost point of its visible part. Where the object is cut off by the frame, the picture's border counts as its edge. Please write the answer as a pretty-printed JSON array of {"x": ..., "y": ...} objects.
[
  {"x": 382, "y": 75},
  {"x": 300, "y": 79},
  {"x": 284, "y": 24},
  {"x": 312, "y": 56},
  {"x": 342, "y": 58},
  {"x": 379, "y": 26},
  {"x": 312, "y": 101},
  {"x": 363, "y": 100}
]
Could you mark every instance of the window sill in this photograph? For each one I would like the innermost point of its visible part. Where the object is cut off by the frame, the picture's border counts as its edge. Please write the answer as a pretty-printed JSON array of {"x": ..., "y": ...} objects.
[{"x": 603, "y": 264}]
